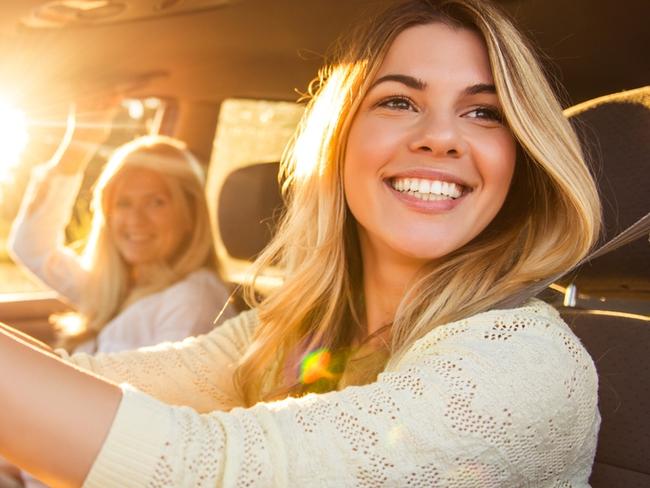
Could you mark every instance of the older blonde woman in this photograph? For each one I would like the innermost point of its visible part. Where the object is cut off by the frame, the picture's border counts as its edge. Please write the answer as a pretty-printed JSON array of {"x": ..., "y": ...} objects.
[
  {"x": 447, "y": 181},
  {"x": 145, "y": 275}
]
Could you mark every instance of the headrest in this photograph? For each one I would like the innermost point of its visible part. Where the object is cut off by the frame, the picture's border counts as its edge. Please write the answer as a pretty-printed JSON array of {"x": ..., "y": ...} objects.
[
  {"x": 249, "y": 206},
  {"x": 614, "y": 132}
]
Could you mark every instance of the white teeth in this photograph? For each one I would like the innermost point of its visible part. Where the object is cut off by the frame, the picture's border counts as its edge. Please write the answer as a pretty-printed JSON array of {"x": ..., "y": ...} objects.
[{"x": 426, "y": 189}]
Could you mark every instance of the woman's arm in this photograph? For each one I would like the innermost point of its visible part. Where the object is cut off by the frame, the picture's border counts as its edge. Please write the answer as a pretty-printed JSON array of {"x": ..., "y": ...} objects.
[
  {"x": 506, "y": 399},
  {"x": 53, "y": 417},
  {"x": 37, "y": 236},
  {"x": 196, "y": 372},
  {"x": 37, "y": 239}
]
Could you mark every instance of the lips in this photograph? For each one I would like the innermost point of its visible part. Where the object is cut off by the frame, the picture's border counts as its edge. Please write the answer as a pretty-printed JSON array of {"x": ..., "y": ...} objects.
[
  {"x": 426, "y": 190},
  {"x": 137, "y": 238},
  {"x": 425, "y": 184}
]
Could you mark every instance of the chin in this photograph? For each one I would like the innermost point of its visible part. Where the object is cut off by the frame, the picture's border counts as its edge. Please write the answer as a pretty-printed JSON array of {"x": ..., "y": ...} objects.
[
  {"x": 427, "y": 249},
  {"x": 132, "y": 260},
  {"x": 422, "y": 253}
]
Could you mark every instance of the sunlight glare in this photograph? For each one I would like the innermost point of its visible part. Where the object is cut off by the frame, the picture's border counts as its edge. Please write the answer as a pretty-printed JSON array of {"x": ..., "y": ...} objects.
[
  {"x": 70, "y": 324},
  {"x": 135, "y": 108},
  {"x": 310, "y": 150},
  {"x": 13, "y": 138}
]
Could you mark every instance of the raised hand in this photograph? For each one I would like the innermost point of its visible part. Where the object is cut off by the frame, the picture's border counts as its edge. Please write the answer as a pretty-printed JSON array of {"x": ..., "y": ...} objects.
[{"x": 88, "y": 126}]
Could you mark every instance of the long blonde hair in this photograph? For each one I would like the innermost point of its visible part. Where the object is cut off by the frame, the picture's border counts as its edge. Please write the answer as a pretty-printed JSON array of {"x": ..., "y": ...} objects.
[
  {"x": 549, "y": 221},
  {"x": 108, "y": 290}
]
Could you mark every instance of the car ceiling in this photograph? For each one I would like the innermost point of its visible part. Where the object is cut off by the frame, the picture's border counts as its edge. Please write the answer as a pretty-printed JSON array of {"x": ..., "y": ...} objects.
[{"x": 271, "y": 48}]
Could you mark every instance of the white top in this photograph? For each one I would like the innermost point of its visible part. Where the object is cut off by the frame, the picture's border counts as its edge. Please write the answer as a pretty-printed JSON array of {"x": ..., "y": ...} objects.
[
  {"x": 506, "y": 398},
  {"x": 186, "y": 308}
]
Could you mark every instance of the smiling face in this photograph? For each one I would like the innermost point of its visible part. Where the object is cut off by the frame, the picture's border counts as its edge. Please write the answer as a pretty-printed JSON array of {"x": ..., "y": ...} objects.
[
  {"x": 144, "y": 223},
  {"x": 429, "y": 160}
]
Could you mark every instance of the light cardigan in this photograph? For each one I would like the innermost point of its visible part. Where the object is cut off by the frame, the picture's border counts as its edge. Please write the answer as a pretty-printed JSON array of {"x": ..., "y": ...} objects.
[
  {"x": 506, "y": 398},
  {"x": 187, "y": 307}
]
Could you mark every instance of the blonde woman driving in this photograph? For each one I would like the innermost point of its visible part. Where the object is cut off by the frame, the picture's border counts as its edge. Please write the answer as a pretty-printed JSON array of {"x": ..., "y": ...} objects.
[{"x": 433, "y": 177}]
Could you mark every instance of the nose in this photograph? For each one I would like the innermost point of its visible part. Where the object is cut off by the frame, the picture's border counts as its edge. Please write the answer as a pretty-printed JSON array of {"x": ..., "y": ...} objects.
[
  {"x": 438, "y": 135},
  {"x": 136, "y": 215}
]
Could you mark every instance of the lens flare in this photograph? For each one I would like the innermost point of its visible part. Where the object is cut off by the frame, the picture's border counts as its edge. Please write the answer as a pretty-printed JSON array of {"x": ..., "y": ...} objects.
[
  {"x": 69, "y": 323},
  {"x": 315, "y": 366}
]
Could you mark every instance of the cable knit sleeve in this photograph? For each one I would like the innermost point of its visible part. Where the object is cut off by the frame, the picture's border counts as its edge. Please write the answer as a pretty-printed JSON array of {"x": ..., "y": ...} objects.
[
  {"x": 197, "y": 372},
  {"x": 502, "y": 399},
  {"x": 37, "y": 236}
]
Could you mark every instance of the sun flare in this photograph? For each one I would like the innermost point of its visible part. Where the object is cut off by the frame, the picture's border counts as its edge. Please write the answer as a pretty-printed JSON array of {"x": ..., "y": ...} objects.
[{"x": 13, "y": 138}]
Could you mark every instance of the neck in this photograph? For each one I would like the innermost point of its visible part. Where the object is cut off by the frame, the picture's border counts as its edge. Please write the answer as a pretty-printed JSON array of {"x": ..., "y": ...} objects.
[
  {"x": 135, "y": 276},
  {"x": 141, "y": 275},
  {"x": 386, "y": 278}
]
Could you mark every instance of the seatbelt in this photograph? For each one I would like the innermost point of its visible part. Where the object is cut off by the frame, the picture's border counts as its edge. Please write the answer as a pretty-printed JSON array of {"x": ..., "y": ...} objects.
[{"x": 633, "y": 232}]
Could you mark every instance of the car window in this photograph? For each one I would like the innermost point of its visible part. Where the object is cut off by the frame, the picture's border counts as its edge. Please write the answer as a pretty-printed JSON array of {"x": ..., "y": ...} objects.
[{"x": 250, "y": 133}]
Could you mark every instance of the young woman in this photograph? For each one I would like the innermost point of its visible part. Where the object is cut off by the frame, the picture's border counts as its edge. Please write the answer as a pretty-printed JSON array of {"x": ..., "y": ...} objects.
[
  {"x": 144, "y": 275},
  {"x": 432, "y": 178}
]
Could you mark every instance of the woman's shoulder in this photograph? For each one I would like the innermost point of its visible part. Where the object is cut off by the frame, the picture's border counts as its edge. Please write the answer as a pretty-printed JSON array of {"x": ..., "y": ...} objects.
[
  {"x": 200, "y": 280},
  {"x": 238, "y": 330},
  {"x": 533, "y": 326}
]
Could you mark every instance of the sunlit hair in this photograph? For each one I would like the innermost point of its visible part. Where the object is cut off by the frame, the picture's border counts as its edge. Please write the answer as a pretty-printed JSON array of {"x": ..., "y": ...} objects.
[
  {"x": 109, "y": 290},
  {"x": 549, "y": 221}
]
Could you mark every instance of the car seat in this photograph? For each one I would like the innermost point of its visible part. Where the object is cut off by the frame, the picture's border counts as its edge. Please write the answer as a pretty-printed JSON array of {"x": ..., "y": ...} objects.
[
  {"x": 242, "y": 187},
  {"x": 611, "y": 314}
]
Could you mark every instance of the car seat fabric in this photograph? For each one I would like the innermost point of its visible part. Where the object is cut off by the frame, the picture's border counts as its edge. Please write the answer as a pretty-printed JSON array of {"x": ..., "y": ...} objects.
[
  {"x": 249, "y": 206},
  {"x": 619, "y": 346},
  {"x": 615, "y": 133}
]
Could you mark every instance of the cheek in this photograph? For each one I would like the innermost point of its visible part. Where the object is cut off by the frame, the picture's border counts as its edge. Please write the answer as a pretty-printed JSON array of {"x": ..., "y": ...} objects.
[
  {"x": 113, "y": 222},
  {"x": 164, "y": 219},
  {"x": 357, "y": 153},
  {"x": 172, "y": 224},
  {"x": 370, "y": 146},
  {"x": 497, "y": 164},
  {"x": 357, "y": 163},
  {"x": 372, "y": 142}
]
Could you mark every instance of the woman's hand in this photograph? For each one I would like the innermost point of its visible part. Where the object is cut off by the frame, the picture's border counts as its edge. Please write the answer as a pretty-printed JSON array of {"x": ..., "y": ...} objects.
[
  {"x": 87, "y": 128},
  {"x": 53, "y": 418}
]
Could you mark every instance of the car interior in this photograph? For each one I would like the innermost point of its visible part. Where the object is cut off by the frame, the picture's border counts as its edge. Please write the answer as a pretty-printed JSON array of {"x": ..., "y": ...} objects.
[{"x": 228, "y": 76}]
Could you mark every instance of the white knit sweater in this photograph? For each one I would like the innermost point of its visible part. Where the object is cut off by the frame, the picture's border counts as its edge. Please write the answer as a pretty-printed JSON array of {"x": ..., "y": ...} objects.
[{"x": 506, "y": 398}]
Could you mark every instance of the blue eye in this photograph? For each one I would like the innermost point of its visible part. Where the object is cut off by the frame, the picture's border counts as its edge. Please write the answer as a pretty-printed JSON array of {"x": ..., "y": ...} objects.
[
  {"x": 397, "y": 103},
  {"x": 486, "y": 113}
]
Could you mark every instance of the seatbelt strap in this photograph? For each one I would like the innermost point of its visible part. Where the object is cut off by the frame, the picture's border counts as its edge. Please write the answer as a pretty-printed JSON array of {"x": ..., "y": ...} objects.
[{"x": 638, "y": 229}]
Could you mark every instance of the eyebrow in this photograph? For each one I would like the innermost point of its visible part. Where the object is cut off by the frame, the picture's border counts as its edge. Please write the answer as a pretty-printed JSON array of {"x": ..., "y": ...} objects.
[
  {"x": 480, "y": 88},
  {"x": 409, "y": 81},
  {"x": 418, "y": 84}
]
